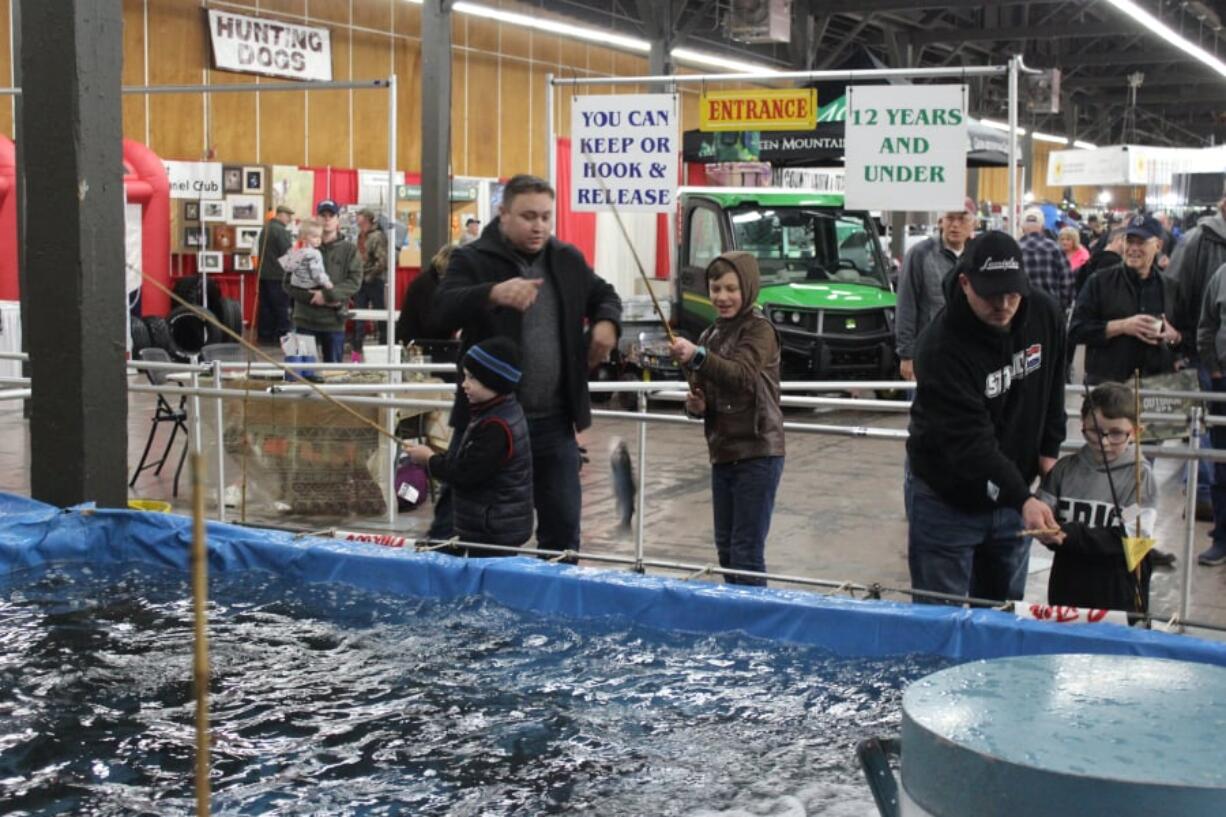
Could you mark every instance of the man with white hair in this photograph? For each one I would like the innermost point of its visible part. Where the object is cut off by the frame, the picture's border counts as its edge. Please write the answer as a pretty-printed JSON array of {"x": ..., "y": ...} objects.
[
  {"x": 920, "y": 296},
  {"x": 1044, "y": 261}
]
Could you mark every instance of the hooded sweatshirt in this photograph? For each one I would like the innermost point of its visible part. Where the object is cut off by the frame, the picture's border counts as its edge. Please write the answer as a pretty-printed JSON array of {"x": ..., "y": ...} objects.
[
  {"x": 989, "y": 402},
  {"x": 740, "y": 374},
  {"x": 1196, "y": 258},
  {"x": 1089, "y": 569}
]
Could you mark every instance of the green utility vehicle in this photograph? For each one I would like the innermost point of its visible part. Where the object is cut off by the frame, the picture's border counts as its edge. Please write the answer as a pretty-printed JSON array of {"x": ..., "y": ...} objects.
[{"x": 825, "y": 282}]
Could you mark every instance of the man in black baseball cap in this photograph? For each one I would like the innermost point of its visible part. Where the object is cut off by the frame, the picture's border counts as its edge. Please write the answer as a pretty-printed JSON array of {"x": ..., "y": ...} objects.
[
  {"x": 319, "y": 312},
  {"x": 327, "y": 207},
  {"x": 987, "y": 419}
]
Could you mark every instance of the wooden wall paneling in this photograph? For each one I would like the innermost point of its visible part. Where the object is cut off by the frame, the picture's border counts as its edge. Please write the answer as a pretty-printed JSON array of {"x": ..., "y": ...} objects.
[
  {"x": 331, "y": 11},
  {"x": 482, "y": 34},
  {"x": 993, "y": 185},
  {"x": 328, "y": 113},
  {"x": 539, "y": 126},
  {"x": 177, "y": 56},
  {"x": 7, "y": 126},
  {"x": 514, "y": 130},
  {"x": 232, "y": 120},
  {"x": 688, "y": 104},
  {"x": 296, "y": 8},
  {"x": 374, "y": 14},
  {"x": 516, "y": 42},
  {"x": 406, "y": 19},
  {"x": 460, "y": 137},
  {"x": 283, "y": 127},
  {"x": 483, "y": 118},
  {"x": 133, "y": 66},
  {"x": 371, "y": 60},
  {"x": 408, "y": 103}
]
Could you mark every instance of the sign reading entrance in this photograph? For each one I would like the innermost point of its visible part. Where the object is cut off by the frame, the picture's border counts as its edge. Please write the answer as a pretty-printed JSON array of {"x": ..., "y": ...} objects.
[
  {"x": 251, "y": 45},
  {"x": 906, "y": 147},
  {"x": 624, "y": 152},
  {"x": 779, "y": 109}
]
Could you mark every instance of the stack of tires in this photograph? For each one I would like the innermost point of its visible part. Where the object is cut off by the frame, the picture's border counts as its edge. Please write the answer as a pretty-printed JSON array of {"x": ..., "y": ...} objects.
[{"x": 182, "y": 333}]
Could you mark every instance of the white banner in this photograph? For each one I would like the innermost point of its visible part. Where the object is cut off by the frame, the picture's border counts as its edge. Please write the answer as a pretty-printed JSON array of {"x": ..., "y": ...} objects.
[
  {"x": 273, "y": 48},
  {"x": 1106, "y": 165},
  {"x": 905, "y": 147},
  {"x": 194, "y": 180},
  {"x": 624, "y": 152}
]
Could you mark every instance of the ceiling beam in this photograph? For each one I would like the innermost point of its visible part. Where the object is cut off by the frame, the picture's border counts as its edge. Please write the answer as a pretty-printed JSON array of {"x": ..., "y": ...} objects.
[
  {"x": 1124, "y": 57},
  {"x": 870, "y": 6},
  {"x": 1047, "y": 32}
]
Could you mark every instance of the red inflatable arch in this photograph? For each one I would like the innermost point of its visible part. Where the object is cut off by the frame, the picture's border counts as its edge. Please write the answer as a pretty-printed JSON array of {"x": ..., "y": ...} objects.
[{"x": 145, "y": 184}]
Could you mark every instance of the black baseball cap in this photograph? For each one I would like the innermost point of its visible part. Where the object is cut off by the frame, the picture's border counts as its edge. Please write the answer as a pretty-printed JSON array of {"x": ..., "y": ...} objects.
[
  {"x": 993, "y": 263},
  {"x": 1144, "y": 226},
  {"x": 327, "y": 206}
]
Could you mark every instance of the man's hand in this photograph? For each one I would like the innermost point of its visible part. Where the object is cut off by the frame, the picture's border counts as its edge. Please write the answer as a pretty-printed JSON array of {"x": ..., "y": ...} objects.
[
  {"x": 516, "y": 293},
  {"x": 1045, "y": 465},
  {"x": 419, "y": 454},
  {"x": 1036, "y": 515},
  {"x": 318, "y": 299},
  {"x": 696, "y": 402},
  {"x": 603, "y": 339},
  {"x": 682, "y": 350},
  {"x": 1145, "y": 328},
  {"x": 906, "y": 368}
]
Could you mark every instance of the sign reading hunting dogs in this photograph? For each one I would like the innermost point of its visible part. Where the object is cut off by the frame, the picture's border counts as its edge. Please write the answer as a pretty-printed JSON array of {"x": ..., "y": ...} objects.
[
  {"x": 624, "y": 152},
  {"x": 252, "y": 45},
  {"x": 906, "y": 147}
]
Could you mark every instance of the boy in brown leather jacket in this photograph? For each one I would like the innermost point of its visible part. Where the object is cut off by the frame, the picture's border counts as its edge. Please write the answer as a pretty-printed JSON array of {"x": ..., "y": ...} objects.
[{"x": 734, "y": 388}]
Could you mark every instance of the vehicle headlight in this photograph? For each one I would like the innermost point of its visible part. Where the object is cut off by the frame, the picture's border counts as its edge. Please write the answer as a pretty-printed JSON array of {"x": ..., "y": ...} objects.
[
  {"x": 778, "y": 317},
  {"x": 795, "y": 317}
]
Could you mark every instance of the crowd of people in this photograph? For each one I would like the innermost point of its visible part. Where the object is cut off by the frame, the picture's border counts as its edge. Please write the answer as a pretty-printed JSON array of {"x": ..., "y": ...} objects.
[{"x": 986, "y": 325}]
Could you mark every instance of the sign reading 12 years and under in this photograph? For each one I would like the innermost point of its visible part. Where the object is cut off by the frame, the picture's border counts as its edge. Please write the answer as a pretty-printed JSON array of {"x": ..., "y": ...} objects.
[
  {"x": 623, "y": 152},
  {"x": 905, "y": 147}
]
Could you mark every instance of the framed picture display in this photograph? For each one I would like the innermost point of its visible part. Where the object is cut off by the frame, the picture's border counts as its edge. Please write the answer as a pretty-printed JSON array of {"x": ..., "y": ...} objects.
[
  {"x": 253, "y": 180},
  {"x": 221, "y": 238},
  {"x": 191, "y": 210},
  {"x": 242, "y": 263},
  {"x": 193, "y": 238},
  {"x": 209, "y": 261},
  {"x": 232, "y": 179},
  {"x": 245, "y": 211},
  {"x": 213, "y": 210},
  {"x": 247, "y": 238}
]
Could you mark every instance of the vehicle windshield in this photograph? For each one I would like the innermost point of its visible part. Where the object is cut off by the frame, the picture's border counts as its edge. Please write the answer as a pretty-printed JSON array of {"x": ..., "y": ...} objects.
[{"x": 810, "y": 244}]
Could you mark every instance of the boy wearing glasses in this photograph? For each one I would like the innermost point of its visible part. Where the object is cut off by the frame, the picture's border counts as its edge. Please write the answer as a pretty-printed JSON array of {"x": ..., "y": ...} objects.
[{"x": 1088, "y": 489}]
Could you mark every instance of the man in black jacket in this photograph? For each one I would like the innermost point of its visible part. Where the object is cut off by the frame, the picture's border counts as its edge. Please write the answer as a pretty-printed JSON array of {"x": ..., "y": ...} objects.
[
  {"x": 988, "y": 417},
  {"x": 1123, "y": 313},
  {"x": 517, "y": 280},
  {"x": 274, "y": 242}
]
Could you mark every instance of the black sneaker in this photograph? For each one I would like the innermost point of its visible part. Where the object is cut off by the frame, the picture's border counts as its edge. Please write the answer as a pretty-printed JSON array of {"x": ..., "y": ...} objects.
[{"x": 1162, "y": 558}]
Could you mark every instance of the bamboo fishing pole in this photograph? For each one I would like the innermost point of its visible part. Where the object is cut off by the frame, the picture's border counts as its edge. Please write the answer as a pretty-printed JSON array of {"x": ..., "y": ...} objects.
[
  {"x": 1136, "y": 397},
  {"x": 200, "y": 663}
]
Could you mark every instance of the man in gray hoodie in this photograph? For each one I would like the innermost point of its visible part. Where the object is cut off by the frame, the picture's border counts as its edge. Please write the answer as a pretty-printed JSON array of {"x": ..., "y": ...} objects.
[
  {"x": 920, "y": 293},
  {"x": 1196, "y": 258}
]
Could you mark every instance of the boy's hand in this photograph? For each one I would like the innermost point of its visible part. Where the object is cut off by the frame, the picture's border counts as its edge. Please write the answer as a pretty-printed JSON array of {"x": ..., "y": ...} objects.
[
  {"x": 419, "y": 454},
  {"x": 682, "y": 350},
  {"x": 696, "y": 402},
  {"x": 328, "y": 285}
]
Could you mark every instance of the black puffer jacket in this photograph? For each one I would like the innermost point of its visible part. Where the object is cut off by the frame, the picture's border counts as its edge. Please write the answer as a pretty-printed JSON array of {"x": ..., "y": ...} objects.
[
  {"x": 497, "y": 510},
  {"x": 989, "y": 402},
  {"x": 462, "y": 301}
]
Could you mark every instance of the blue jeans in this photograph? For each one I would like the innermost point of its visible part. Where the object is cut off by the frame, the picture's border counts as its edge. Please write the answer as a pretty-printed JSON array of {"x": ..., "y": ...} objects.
[
  {"x": 369, "y": 296},
  {"x": 331, "y": 344},
  {"x": 964, "y": 553},
  {"x": 743, "y": 499},
  {"x": 1217, "y": 434},
  {"x": 555, "y": 486}
]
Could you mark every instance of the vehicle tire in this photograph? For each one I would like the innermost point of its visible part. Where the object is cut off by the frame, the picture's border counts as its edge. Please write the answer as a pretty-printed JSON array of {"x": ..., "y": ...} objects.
[
  {"x": 189, "y": 334},
  {"x": 159, "y": 332},
  {"x": 140, "y": 336},
  {"x": 230, "y": 314}
]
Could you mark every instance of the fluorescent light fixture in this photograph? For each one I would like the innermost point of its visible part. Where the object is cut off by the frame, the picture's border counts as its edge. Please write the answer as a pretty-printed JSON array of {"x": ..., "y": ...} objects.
[
  {"x": 1104, "y": 197},
  {"x": 593, "y": 35},
  {"x": 1077, "y": 143},
  {"x": 992, "y": 123},
  {"x": 1047, "y": 137},
  {"x": 1160, "y": 28},
  {"x": 713, "y": 61}
]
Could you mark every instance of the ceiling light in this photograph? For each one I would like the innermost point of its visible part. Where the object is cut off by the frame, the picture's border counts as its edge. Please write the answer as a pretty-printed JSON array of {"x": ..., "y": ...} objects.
[
  {"x": 1160, "y": 28},
  {"x": 1047, "y": 137},
  {"x": 992, "y": 123},
  {"x": 594, "y": 35},
  {"x": 1077, "y": 143},
  {"x": 713, "y": 61}
]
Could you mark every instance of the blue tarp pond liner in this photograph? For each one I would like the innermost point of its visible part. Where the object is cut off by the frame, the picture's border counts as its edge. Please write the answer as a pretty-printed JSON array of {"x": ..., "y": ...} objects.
[{"x": 34, "y": 535}]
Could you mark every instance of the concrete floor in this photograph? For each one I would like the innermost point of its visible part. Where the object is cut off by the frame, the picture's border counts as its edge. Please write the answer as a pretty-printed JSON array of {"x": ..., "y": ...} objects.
[{"x": 838, "y": 514}]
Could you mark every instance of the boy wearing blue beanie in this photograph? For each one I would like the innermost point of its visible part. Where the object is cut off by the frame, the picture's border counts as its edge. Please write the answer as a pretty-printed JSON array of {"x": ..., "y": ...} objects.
[{"x": 490, "y": 472}]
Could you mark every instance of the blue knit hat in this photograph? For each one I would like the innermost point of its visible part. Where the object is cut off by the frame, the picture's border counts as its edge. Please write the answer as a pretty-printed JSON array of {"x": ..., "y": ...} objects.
[{"x": 495, "y": 362}]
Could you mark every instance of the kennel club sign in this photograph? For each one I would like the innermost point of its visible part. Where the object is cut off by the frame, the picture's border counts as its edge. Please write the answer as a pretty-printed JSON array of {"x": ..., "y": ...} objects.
[{"x": 251, "y": 45}]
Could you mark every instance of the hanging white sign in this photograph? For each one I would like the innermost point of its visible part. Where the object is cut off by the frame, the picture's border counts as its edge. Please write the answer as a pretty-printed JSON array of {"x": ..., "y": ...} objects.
[
  {"x": 194, "y": 180},
  {"x": 905, "y": 147},
  {"x": 273, "y": 48},
  {"x": 624, "y": 153}
]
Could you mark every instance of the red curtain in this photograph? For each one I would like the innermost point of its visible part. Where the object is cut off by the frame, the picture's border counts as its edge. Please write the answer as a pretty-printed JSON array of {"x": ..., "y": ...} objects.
[
  {"x": 576, "y": 228},
  {"x": 338, "y": 184}
]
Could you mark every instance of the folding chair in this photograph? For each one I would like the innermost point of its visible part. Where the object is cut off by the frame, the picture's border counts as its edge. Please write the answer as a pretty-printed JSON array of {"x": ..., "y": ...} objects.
[
  {"x": 164, "y": 413},
  {"x": 225, "y": 352}
]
